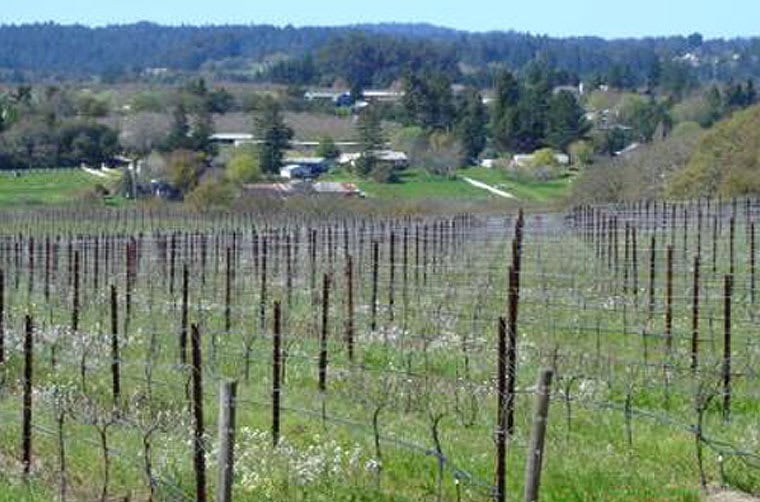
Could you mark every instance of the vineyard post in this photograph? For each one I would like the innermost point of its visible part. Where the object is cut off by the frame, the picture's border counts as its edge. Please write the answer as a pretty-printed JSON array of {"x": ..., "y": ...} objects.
[
  {"x": 695, "y": 317},
  {"x": 728, "y": 290},
  {"x": 228, "y": 291},
  {"x": 26, "y": 434},
  {"x": 276, "y": 360},
  {"x": 501, "y": 423},
  {"x": 511, "y": 353},
  {"x": 115, "y": 379},
  {"x": 183, "y": 321},
  {"x": 350, "y": 307},
  {"x": 75, "y": 300},
  {"x": 323, "y": 334},
  {"x": 752, "y": 262},
  {"x": 227, "y": 404},
  {"x": 669, "y": 303},
  {"x": 375, "y": 272},
  {"x": 199, "y": 454},
  {"x": 536, "y": 445}
]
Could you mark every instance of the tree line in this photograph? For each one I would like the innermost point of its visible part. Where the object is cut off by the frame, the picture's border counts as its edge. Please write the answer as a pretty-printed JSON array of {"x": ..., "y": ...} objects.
[{"x": 364, "y": 55}]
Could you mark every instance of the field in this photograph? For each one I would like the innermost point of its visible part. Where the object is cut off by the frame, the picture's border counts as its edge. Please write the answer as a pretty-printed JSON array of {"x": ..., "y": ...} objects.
[
  {"x": 47, "y": 187},
  {"x": 402, "y": 349}
]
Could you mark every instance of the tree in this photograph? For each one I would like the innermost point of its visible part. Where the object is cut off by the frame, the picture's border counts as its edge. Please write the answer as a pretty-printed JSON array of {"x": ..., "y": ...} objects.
[
  {"x": 86, "y": 142},
  {"x": 327, "y": 148},
  {"x": 179, "y": 134},
  {"x": 244, "y": 166},
  {"x": 275, "y": 136},
  {"x": 504, "y": 110},
  {"x": 428, "y": 100},
  {"x": 565, "y": 121},
  {"x": 185, "y": 169},
  {"x": 472, "y": 125},
  {"x": 371, "y": 140}
]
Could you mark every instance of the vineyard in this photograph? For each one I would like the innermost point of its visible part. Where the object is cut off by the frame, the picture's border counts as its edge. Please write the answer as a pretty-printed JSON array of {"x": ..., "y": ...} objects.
[{"x": 167, "y": 356}]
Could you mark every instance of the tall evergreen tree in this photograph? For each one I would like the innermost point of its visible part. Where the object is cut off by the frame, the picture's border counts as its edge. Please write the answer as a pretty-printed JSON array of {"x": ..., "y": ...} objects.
[
  {"x": 472, "y": 126},
  {"x": 275, "y": 135},
  {"x": 503, "y": 115},
  {"x": 565, "y": 121},
  {"x": 370, "y": 130}
]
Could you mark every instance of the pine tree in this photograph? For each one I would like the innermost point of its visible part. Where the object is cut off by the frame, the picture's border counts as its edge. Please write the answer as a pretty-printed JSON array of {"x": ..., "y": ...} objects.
[
  {"x": 275, "y": 136},
  {"x": 471, "y": 128},
  {"x": 370, "y": 130}
]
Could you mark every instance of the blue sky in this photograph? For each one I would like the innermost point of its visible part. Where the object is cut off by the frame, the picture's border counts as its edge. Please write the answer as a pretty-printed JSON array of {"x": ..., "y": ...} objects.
[{"x": 608, "y": 18}]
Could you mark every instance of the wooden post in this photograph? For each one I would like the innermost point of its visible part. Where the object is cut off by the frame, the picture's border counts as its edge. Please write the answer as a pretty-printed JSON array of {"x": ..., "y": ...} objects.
[
  {"x": 375, "y": 272},
  {"x": 652, "y": 258},
  {"x": 276, "y": 388},
  {"x": 75, "y": 300},
  {"x": 199, "y": 454},
  {"x": 183, "y": 325},
  {"x": 511, "y": 352},
  {"x": 115, "y": 380},
  {"x": 669, "y": 303},
  {"x": 350, "y": 306},
  {"x": 228, "y": 292},
  {"x": 695, "y": 317},
  {"x": 501, "y": 417},
  {"x": 323, "y": 334},
  {"x": 536, "y": 446},
  {"x": 727, "y": 292},
  {"x": 227, "y": 395},
  {"x": 26, "y": 433}
]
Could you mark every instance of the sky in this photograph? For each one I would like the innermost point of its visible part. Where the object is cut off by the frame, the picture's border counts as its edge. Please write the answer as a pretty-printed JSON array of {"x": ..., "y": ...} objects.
[{"x": 606, "y": 18}]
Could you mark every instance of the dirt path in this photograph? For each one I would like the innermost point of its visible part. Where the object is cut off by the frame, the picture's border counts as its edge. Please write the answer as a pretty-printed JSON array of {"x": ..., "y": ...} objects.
[
  {"x": 729, "y": 496},
  {"x": 484, "y": 186}
]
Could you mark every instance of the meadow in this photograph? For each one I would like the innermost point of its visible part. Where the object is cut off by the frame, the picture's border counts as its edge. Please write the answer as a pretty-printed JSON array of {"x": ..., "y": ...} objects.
[{"x": 379, "y": 357}]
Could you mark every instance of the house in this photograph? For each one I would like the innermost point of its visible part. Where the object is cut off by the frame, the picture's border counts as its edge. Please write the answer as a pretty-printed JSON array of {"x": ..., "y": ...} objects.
[
  {"x": 382, "y": 95},
  {"x": 232, "y": 138},
  {"x": 315, "y": 165},
  {"x": 336, "y": 188},
  {"x": 296, "y": 172},
  {"x": 399, "y": 160},
  {"x": 268, "y": 190},
  {"x": 525, "y": 160}
]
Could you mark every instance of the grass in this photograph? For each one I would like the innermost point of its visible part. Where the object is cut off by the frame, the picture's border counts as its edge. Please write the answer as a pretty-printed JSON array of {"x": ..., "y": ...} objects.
[
  {"x": 48, "y": 187},
  {"x": 417, "y": 184}
]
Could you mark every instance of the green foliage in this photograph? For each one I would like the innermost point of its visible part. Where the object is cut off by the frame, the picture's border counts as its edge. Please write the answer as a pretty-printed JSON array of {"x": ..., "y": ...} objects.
[
  {"x": 565, "y": 121},
  {"x": 428, "y": 100},
  {"x": 371, "y": 139},
  {"x": 270, "y": 128},
  {"x": 472, "y": 125},
  {"x": 244, "y": 166},
  {"x": 327, "y": 148},
  {"x": 726, "y": 161},
  {"x": 212, "y": 194},
  {"x": 581, "y": 153},
  {"x": 184, "y": 169}
]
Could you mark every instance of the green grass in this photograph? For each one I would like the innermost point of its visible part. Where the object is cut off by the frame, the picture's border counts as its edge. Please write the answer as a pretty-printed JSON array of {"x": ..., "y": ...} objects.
[
  {"x": 528, "y": 190},
  {"x": 48, "y": 187},
  {"x": 418, "y": 184}
]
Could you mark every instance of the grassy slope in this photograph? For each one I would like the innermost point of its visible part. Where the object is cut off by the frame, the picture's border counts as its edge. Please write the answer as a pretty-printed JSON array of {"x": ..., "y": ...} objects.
[
  {"x": 46, "y": 187},
  {"x": 416, "y": 184}
]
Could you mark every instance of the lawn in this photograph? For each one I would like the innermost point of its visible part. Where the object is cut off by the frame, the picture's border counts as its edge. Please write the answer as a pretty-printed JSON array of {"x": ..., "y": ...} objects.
[
  {"x": 417, "y": 184},
  {"x": 48, "y": 187}
]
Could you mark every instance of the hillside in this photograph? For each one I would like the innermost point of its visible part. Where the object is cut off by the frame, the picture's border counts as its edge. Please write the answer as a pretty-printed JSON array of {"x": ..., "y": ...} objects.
[
  {"x": 40, "y": 51},
  {"x": 726, "y": 162}
]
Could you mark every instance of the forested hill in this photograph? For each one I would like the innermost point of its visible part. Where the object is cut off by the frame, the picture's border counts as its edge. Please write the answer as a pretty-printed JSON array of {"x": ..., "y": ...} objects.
[{"x": 363, "y": 54}]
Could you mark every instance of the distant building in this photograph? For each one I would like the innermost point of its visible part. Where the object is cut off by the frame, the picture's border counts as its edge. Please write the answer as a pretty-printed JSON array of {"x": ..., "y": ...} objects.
[
  {"x": 232, "y": 138},
  {"x": 295, "y": 172},
  {"x": 399, "y": 160}
]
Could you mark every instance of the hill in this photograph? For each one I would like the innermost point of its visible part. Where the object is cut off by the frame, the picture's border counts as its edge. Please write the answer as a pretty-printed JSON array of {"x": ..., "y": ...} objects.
[
  {"x": 47, "y": 51},
  {"x": 726, "y": 162}
]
